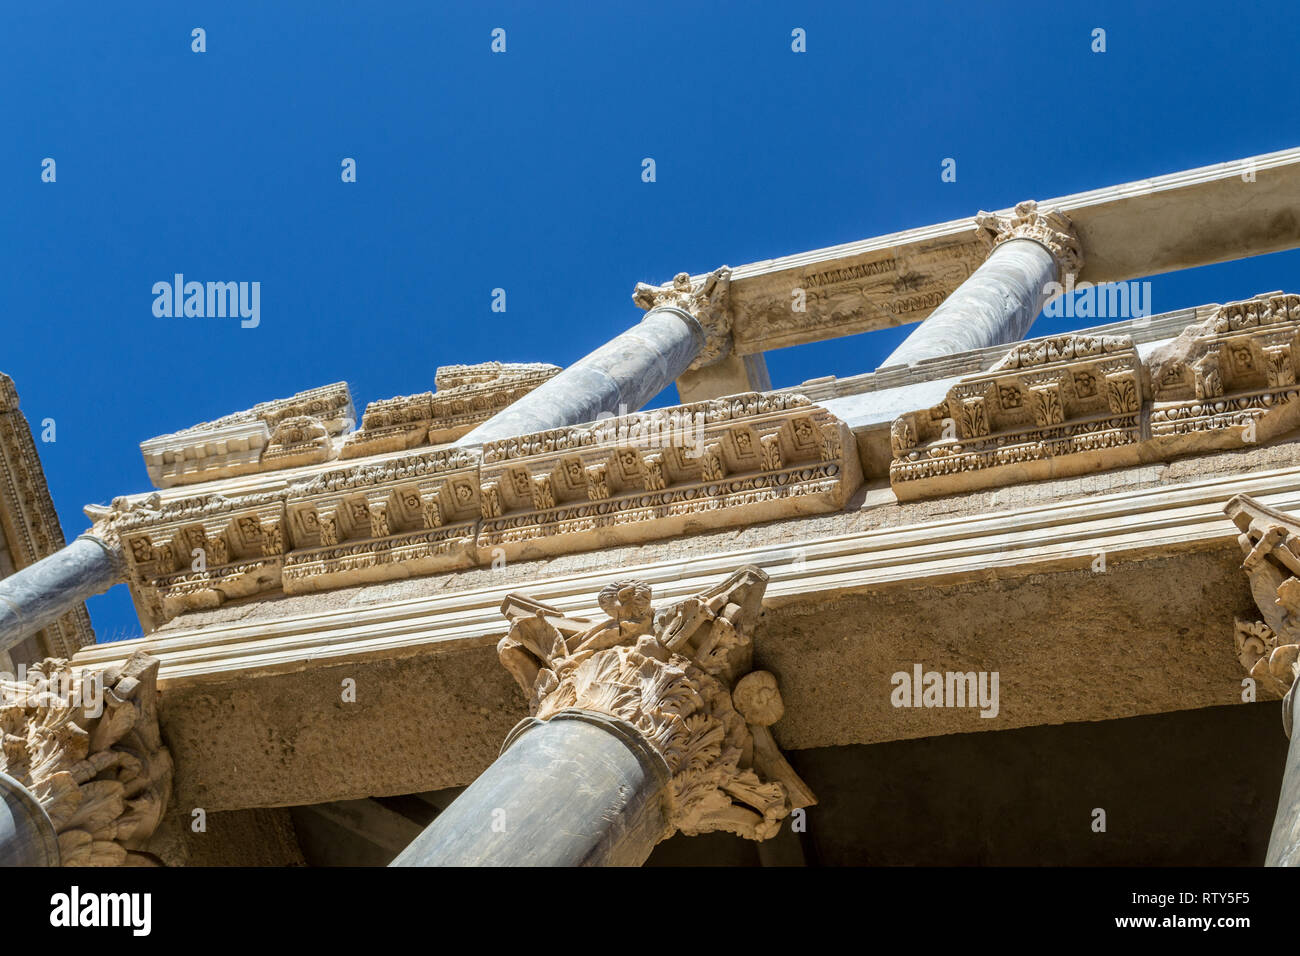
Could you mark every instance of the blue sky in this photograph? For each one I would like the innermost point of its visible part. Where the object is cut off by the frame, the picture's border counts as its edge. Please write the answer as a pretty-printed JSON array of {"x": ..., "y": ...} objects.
[{"x": 522, "y": 171}]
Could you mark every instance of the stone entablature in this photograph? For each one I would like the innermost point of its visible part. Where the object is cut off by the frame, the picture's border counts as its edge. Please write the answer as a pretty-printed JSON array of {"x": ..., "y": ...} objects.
[
  {"x": 284, "y": 433},
  {"x": 725, "y": 462},
  {"x": 1230, "y": 379},
  {"x": 1051, "y": 407},
  {"x": 409, "y": 516},
  {"x": 1074, "y": 403},
  {"x": 466, "y": 396},
  {"x": 655, "y": 474}
]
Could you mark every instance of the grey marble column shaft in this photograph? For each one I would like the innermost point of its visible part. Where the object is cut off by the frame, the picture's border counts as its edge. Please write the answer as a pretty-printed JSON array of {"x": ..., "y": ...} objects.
[
  {"x": 580, "y": 789},
  {"x": 27, "y": 836},
  {"x": 43, "y": 592},
  {"x": 996, "y": 305},
  {"x": 1284, "y": 842},
  {"x": 624, "y": 373}
]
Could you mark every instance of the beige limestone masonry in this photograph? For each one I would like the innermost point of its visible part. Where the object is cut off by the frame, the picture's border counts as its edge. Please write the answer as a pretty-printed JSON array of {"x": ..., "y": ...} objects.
[
  {"x": 1075, "y": 403},
  {"x": 657, "y": 474}
]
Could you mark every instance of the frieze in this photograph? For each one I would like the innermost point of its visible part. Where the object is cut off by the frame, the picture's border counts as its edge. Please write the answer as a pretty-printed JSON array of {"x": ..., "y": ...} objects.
[{"x": 1051, "y": 407}]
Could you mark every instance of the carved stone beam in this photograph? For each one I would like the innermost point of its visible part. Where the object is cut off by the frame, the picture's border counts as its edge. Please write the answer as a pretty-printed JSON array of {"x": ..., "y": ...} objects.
[
  {"x": 84, "y": 776},
  {"x": 1029, "y": 252},
  {"x": 645, "y": 724},
  {"x": 1270, "y": 649},
  {"x": 630, "y": 369}
]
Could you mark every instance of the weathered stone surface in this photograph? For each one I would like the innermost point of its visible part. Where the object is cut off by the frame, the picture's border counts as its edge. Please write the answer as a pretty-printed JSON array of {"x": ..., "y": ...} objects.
[
  {"x": 30, "y": 531},
  {"x": 466, "y": 395},
  {"x": 301, "y": 429},
  {"x": 87, "y": 746}
]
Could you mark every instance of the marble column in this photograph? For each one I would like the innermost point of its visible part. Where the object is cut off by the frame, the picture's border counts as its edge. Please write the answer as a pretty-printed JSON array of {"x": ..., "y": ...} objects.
[
  {"x": 1284, "y": 841},
  {"x": 43, "y": 592},
  {"x": 643, "y": 726},
  {"x": 580, "y": 789},
  {"x": 1031, "y": 252},
  {"x": 27, "y": 836},
  {"x": 682, "y": 329}
]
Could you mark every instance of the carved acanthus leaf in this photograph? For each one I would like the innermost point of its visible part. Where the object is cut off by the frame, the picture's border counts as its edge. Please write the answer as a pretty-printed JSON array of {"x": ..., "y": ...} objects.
[
  {"x": 87, "y": 745},
  {"x": 673, "y": 675},
  {"x": 1049, "y": 228},
  {"x": 708, "y": 300}
]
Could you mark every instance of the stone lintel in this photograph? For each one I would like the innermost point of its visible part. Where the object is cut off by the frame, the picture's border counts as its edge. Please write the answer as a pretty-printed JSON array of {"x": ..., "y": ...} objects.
[{"x": 1198, "y": 217}]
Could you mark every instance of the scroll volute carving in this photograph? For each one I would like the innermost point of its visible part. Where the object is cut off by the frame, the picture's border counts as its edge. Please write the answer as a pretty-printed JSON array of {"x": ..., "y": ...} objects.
[{"x": 676, "y": 676}]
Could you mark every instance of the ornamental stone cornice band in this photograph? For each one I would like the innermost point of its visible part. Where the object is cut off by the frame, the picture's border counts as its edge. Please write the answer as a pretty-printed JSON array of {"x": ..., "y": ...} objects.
[
  {"x": 681, "y": 677},
  {"x": 1050, "y": 408},
  {"x": 1050, "y": 228},
  {"x": 302, "y": 429},
  {"x": 746, "y": 458},
  {"x": 86, "y": 744},
  {"x": 707, "y": 300},
  {"x": 466, "y": 395},
  {"x": 1074, "y": 403}
]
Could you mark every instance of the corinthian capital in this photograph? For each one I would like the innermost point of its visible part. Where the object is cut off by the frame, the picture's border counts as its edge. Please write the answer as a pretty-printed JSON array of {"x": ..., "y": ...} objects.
[
  {"x": 707, "y": 300},
  {"x": 1050, "y": 229},
  {"x": 675, "y": 676},
  {"x": 87, "y": 746},
  {"x": 1270, "y": 649}
]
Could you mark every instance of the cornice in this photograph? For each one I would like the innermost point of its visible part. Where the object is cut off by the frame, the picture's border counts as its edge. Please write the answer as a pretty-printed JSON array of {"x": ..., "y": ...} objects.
[{"x": 1051, "y": 537}]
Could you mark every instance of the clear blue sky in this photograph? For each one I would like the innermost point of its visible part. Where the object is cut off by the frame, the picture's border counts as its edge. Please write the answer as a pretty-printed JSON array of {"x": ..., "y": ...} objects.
[{"x": 522, "y": 171}]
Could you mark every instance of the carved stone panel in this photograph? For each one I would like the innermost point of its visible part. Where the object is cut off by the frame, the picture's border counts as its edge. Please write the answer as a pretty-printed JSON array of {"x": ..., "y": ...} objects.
[
  {"x": 1051, "y": 407},
  {"x": 467, "y": 395},
  {"x": 408, "y": 516},
  {"x": 1229, "y": 381},
  {"x": 746, "y": 458}
]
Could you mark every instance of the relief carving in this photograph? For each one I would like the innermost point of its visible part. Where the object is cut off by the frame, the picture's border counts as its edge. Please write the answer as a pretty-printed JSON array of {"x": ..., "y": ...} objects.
[
  {"x": 88, "y": 747},
  {"x": 1270, "y": 649},
  {"x": 1049, "y": 228},
  {"x": 681, "y": 676},
  {"x": 706, "y": 300},
  {"x": 1053, "y": 406}
]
